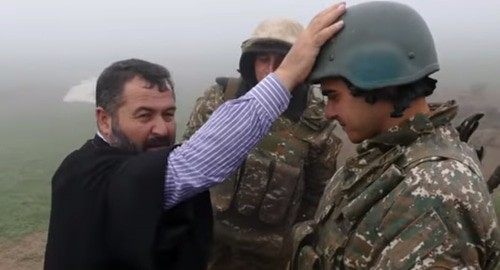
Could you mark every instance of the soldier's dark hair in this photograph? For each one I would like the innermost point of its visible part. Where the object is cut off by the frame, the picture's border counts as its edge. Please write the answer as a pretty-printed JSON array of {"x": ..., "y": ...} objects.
[
  {"x": 400, "y": 96},
  {"x": 112, "y": 80}
]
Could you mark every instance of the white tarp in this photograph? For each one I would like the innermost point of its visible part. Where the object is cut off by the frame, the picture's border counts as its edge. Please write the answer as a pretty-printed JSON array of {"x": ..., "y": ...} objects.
[{"x": 82, "y": 92}]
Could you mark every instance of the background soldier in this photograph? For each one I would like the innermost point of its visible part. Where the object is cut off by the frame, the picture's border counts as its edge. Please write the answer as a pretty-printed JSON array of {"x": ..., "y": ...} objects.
[{"x": 282, "y": 179}]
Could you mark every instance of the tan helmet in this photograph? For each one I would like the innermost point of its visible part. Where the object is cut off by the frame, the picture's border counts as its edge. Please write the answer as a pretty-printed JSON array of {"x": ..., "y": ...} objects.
[
  {"x": 274, "y": 30},
  {"x": 275, "y": 35}
]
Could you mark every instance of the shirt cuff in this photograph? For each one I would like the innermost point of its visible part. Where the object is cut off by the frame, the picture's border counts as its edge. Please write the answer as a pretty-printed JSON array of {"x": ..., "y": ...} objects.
[{"x": 272, "y": 95}]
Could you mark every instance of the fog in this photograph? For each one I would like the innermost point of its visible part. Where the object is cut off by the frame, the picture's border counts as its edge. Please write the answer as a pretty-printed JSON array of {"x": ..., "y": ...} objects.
[
  {"x": 51, "y": 51},
  {"x": 49, "y": 46}
]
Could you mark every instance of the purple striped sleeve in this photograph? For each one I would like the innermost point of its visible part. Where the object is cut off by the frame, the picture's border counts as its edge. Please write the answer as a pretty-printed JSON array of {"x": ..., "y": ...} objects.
[{"x": 223, "y": 142}]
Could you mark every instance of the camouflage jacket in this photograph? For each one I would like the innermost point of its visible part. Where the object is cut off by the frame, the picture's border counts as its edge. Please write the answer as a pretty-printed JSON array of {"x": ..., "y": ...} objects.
[
  {"x": 281, "y": 180},
  {"x": 413, "y": 198}
]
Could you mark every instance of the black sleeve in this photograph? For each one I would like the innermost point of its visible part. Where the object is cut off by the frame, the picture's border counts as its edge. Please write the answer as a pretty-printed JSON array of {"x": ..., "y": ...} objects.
[{"x": 140, "y": 233}]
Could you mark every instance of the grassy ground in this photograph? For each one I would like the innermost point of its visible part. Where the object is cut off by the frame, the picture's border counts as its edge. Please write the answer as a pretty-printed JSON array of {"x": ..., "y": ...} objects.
[
  {"x": 31, "y": 149},
  {"x": 33, "y": 145}
]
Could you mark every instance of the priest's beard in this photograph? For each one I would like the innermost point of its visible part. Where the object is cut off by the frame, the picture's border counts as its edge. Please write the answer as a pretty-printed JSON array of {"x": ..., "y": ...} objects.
[{"x": 120, "y": 140}]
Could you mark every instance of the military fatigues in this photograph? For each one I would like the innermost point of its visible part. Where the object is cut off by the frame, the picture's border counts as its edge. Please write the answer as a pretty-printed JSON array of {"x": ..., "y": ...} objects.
[
  {"x": 280, "y": 182},
  {"x": 413, "y": 198}
]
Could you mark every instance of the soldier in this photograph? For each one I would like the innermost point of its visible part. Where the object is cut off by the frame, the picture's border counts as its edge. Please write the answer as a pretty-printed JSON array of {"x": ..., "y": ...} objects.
[
  {"x": 282, "y": 179},
  {"x": 414, "y": 196}
]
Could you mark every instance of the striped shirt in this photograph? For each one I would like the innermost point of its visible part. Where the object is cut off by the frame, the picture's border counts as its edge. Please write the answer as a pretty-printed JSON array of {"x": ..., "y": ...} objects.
[{"x": 223, "y": 142}]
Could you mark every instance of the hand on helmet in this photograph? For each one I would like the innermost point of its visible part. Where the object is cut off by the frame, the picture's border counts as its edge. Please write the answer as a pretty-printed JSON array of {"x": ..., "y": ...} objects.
[{"x": 301, "y": 57}]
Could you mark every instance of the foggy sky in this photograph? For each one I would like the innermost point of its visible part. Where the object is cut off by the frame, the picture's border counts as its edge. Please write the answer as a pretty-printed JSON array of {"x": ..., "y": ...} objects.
[{"x": 48, "y": 46}]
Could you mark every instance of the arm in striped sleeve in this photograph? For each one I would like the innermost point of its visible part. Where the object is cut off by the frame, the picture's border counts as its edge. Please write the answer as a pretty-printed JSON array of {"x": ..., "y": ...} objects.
[{"x": 223, "y": 142}]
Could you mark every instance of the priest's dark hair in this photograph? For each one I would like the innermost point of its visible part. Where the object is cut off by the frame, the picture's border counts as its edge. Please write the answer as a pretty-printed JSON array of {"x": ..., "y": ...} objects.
[{"x": 112, "y": 80}]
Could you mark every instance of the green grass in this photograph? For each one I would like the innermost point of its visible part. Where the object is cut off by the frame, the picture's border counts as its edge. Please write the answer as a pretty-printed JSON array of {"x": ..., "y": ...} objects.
[{"x": 32, "y": 147}]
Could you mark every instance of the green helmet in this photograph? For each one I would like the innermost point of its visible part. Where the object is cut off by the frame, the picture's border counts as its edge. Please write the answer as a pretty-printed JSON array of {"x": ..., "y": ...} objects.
[
  {"x": 275, "y": 35},
  {"x": 382, "y": 44}
]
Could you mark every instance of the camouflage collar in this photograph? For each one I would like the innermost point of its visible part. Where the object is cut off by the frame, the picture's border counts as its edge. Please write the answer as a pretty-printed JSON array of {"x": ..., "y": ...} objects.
[{"x": 411, "y": 129}]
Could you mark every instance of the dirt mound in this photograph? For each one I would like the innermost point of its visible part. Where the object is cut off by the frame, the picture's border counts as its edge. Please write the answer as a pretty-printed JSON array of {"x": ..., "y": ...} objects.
[{"x": 24, "y": 254}]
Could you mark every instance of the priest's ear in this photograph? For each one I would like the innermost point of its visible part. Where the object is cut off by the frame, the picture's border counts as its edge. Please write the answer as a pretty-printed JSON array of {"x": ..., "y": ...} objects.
[{"x": 103, "y": 121}]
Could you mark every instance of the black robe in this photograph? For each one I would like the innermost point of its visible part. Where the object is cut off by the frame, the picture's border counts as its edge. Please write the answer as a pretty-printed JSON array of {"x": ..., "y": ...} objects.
[{"x": 107, "y": 213}]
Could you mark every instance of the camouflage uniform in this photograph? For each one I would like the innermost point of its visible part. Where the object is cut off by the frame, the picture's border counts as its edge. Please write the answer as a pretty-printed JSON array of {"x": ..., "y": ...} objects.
[
  {"x": 280, "y": 182},
  {"x": 413, "y": 198}
]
